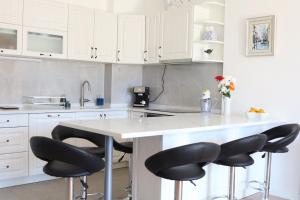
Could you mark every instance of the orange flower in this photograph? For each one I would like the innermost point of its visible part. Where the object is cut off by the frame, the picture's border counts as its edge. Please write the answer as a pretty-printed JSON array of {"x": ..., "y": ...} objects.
[{"x": 232, "y": 87}]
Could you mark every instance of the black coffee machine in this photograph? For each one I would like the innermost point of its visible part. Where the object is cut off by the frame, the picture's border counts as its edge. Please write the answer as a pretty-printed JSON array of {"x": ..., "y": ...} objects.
[{"x": 141, "y": 96}]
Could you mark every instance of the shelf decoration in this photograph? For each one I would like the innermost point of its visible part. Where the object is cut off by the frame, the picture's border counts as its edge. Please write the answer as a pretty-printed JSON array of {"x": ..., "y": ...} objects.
[
  {"x": 261, "y": 36},
  {"x": 226, "y": 87},
  {"x": 210, "y": 34}
]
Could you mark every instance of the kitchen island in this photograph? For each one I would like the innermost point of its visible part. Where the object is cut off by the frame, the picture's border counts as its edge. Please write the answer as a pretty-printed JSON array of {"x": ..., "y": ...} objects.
[{"x": 151, "y": 135}]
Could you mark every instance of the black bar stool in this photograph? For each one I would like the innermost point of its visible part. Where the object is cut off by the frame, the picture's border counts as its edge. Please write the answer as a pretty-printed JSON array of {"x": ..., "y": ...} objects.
[
  {"x": 126, "y": 148},
  {"x": 237, "y": 154},
  {"x": 278, "y": 139},
  {"x": 64, "y": 160},
  {"x": 182, "y": 163},
  {"x": 62, "y": 133}
]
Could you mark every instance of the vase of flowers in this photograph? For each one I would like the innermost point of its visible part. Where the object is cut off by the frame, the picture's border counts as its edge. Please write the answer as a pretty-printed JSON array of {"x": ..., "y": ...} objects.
[{"x": 226, "y": 87}]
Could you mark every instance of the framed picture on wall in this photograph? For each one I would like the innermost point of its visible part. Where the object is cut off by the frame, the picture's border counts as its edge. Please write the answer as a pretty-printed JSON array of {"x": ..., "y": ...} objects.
[{"x": 261, "y": 36}]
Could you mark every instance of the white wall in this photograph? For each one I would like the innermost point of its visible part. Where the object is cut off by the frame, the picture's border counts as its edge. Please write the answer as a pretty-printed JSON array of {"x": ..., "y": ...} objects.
[
  {"x": 268, "y": 82},
  {"x": 48, "y": 78},
  {"x": 183, "y": 83}
]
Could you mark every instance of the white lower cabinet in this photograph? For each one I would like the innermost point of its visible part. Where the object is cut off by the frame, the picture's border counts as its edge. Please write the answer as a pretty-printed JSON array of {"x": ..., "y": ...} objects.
[
  {"x": 42, "y": 125},
  {"x": 13, "y": 146},
  {"x": 102, "y": 116},
  {"x": 13, "y": 140},
  {"x": 13, "y": 165}
]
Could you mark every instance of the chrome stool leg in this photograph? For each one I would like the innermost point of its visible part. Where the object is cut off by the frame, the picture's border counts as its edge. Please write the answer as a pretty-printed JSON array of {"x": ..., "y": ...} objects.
[
  {"x": 84, "y": 190},
  {"x": 231, "y": 190},
  {"x": 70, "y": 189},
  {"x": 231, "y": 193},
  {"x": 178, "y": 190},
  {"x": 267, "y": 176}
]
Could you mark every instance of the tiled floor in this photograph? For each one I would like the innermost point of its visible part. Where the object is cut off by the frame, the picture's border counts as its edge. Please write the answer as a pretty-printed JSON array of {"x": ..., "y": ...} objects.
[
  {"x": 57, "y": 189},
  {"x": 258, "y": 196}
]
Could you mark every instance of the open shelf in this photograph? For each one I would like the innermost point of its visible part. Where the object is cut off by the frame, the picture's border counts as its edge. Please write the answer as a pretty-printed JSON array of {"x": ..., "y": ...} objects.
[
  {"x": 210, "y": 22},
  {"x": 209, "y": 42},
  {"x": 215, "y": 3}
]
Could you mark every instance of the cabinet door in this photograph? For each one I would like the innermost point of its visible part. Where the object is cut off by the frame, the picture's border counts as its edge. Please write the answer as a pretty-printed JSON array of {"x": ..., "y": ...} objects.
[
  {"x": 105, "y": 36},
  {"x": 44, "y": 43},
  {"x": 10, "y": 39},
  {"x": 42, "y": 125},
  {"x": 152, "y": 39},
  {"x": 46, "y": 14},
  {"x": 13, "y": 165},
  {"x": 11, "y": 11},
  {"x": 81, "y": 33},
  {"x": 177, "y": 34},
  {"x": 131, "y": 39}
]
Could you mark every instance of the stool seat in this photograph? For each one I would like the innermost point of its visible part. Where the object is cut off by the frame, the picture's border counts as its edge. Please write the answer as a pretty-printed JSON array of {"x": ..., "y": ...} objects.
[
  {"x": 269, "y": 148},
  {"x": 240, "y": 160},
  {"x": 64, "y": 170},
  {"x": 183, "y": 163},
  {"x": 188, "y": 172},
  {"x": 125, "y": 147},
  {"x": 98, "y": 151},
  {"x": 278, "y": 138}
]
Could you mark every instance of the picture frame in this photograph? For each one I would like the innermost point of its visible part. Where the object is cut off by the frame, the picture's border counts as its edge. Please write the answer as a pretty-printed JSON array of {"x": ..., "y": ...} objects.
[{"x": 261, "y": 36}]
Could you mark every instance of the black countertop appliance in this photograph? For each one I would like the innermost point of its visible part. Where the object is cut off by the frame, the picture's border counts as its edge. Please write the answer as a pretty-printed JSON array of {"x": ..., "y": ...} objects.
[{"x": 141, "y": 96}]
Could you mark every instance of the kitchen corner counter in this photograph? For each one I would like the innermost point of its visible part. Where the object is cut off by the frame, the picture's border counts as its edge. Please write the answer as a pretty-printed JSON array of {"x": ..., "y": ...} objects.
[
  {"x": 181, "y": 123},
  {"x": 152, "y": 135}
]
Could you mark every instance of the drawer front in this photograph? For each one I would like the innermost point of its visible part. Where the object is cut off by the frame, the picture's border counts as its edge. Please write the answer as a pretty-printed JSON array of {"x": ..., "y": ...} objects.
[
  {"x": 7, "y": 121},
  {"x": 137, "y": 115},
  {"x": 116, "y": 114},
  {"x": 89, "y": 115},
  {"x": 13, "y": 165},
  {"x": 13, "y": 140},
  {"x": 58, "y": 116}
]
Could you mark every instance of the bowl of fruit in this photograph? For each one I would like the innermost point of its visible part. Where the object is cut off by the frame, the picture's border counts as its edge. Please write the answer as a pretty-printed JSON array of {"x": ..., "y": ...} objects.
[{"x": 257, "y": 114}]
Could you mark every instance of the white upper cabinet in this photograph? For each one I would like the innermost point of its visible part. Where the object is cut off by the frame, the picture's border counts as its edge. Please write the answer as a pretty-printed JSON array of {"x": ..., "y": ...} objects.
[
  {"x": 46, "y": 14},
  {"x": 176, "y": 34},
  {"x": 44, "y": 43},
  {"x": 81, "y": 33},
  {"x": 11, "y": 11},
  {"x": 152, "y": 39},
  {"x": 10, "y": 39},
  {"x": 131, "y": 39},
  {"x": 105, "y": 36}
]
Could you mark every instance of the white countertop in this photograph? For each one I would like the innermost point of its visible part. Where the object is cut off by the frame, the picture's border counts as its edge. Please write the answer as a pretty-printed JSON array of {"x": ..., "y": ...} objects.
[
  {"x": 59, "y": 109},
  {"x": 181, "y": 123}
]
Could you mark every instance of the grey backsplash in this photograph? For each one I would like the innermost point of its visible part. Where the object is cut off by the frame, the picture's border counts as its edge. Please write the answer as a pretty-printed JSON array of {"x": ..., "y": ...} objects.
[
  {"x": 20, "y": 78},
  {"x": 183, "y": 83}
]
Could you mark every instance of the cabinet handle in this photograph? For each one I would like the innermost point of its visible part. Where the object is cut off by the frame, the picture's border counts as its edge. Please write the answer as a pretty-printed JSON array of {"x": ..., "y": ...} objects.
[
  {"x": 41, "y": 54},
  {"x": 1, "y": 51},
  {"x": 5, "y": 141},
  {"x": 50, "y": 55},
  {"x": 6, "y": 121},
  {"x": 96, "y": 49},
  {"x": 53, "y": 116},
  {"x": 159, "y": 51},
  {"x": 118, "y": 55},
  {"x": 92, "y": 49},
  {"x": 145, "y": 56},
  {"x": 208, "y": 51}
]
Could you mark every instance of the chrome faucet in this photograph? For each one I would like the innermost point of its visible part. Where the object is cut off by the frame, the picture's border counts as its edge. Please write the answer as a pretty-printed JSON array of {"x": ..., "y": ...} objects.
[{"x": 82, "y": 99}]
